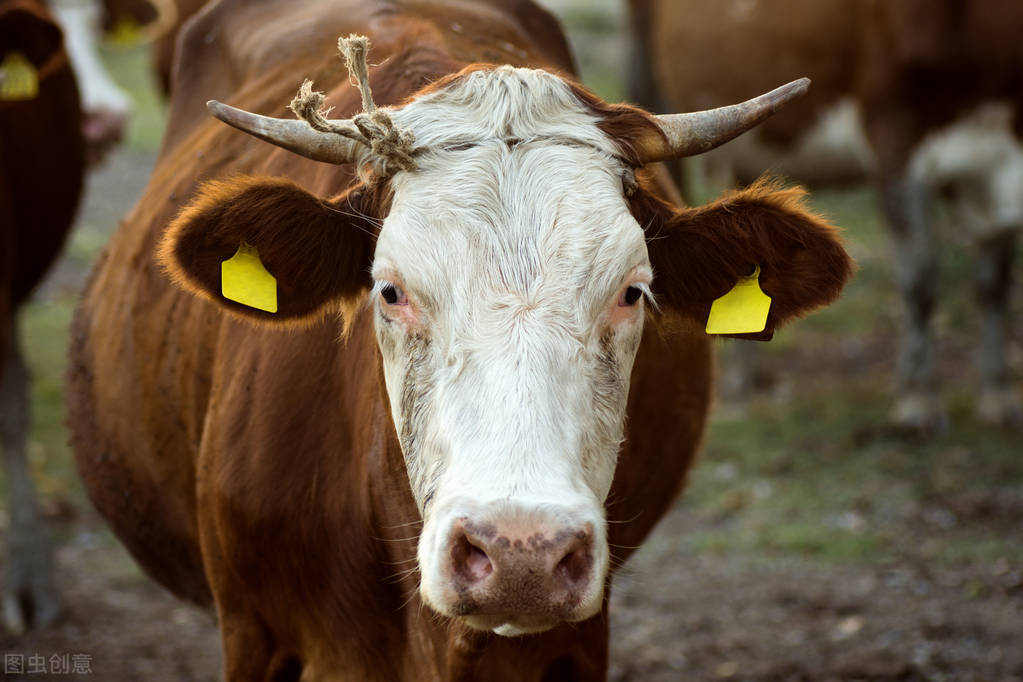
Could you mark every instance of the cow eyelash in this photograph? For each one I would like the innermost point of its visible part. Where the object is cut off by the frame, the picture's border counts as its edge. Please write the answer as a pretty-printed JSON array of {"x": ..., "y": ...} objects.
[{"x": 393, "y": 294}]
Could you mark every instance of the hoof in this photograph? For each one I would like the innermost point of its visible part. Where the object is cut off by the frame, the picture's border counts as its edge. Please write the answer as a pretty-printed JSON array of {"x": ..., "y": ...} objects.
[
  {"x": 30, "y": 599},
  {"x": 1001, "y": 406},
  {"x": 15, "y": 621},
  {"x": 920, "y": 414},
  {"x": 32, "y": 606}
]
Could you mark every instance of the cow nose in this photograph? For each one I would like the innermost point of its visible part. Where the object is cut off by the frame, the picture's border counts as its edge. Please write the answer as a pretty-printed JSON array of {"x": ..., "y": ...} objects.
[{"x": 514, "y": 569}]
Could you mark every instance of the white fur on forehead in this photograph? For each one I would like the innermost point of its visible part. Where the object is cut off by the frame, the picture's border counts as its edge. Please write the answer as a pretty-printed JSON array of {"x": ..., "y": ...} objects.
[
  {"x": 520, "y": 221},
  {"x": 493, "y": 228},
  {"x": 503, "y": 102}
]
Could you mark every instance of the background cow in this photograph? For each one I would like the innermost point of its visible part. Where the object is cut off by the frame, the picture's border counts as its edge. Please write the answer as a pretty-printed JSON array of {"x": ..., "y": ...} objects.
[
  {"x": 106, "y": 107},
  {"x": 937, "y": 85},
  {"x": 42, "y": 162},
  {"x": 494, "y": 249}
]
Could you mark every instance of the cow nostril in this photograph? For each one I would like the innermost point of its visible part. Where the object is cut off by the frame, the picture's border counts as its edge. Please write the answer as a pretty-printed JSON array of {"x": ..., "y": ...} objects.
[
  {"x": 574, "y": 567},
  {"x": 469, "y": 561}
]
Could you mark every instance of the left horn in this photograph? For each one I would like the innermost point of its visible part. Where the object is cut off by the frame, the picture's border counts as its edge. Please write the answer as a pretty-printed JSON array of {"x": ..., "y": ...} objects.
[{"x": 700, "y": 131}]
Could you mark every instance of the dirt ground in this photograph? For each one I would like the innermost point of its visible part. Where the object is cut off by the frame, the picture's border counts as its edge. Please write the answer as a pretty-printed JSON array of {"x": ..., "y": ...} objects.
[{"x": 674, "y": 616}]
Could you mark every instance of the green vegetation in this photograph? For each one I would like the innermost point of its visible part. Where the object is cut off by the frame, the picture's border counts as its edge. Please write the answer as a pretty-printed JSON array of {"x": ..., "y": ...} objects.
[{"x": 132, "y": 68}]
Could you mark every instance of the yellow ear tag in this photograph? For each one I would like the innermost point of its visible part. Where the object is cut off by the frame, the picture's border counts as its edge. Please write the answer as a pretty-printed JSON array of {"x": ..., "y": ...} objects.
[
  {"x": 742, "y": 310},
  {"x": 126, "y": 33},
  {"x": 244, "y": 279},
  {"x": 18, "y": 78}
]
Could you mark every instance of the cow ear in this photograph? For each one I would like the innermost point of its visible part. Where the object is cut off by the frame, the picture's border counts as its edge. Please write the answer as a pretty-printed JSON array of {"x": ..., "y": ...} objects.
[
  {"x": 30, "y": 30},
  {"x": 319, "y": 252},
  {"x": 699, "y": 254}
]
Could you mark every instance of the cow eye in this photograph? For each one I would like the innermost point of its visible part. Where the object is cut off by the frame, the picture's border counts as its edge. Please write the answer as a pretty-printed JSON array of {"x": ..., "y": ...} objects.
[
  {"x": 630, "y": 296},
  {"x": 393, "y": 295}
]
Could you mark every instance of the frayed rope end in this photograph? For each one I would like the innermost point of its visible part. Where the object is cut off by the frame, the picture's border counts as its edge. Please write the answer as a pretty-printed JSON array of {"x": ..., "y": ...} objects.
[{"x": 372, "y": 128}]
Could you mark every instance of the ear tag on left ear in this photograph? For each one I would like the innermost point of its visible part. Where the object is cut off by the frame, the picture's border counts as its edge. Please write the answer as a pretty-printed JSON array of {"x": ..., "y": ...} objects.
[
  {"x": 244, "y": 279},
  {"x": 126, "y": 33},
  {"x": 742, "y": 310},
  {"x": 19, "y": 80}
]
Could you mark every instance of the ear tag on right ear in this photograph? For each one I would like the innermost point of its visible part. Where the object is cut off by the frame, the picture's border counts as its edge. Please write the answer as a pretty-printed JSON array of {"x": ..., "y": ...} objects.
[
  {"x": 244, "y": 279},
  {"x": 742, "y": 310},
  {"x": 18, "y": 78}
]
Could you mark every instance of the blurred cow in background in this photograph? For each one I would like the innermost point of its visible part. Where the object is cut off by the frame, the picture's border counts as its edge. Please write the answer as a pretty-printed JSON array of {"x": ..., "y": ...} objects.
[
  {"x": 106, "y": 107},
  {"x": 938, "y": 87},
  {"x": 60, "y": 112},
  {"x": 42, "y": 165},
  {"x": 158, "y": 21}
]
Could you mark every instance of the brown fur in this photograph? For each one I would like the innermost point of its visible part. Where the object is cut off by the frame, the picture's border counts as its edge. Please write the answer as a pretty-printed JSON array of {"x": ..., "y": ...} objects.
[{"x": 258, "y": 464}]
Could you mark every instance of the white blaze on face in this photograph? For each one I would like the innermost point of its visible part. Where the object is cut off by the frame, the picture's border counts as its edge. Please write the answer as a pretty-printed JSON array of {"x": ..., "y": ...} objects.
[{"x": 509, "y": 334}]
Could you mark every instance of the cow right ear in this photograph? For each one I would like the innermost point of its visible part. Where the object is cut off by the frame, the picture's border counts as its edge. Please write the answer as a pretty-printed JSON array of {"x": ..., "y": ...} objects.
[{"x": 319, "y": 252}]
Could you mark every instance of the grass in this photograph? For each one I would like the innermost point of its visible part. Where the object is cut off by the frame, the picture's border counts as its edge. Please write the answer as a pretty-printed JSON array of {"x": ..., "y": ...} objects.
[{"x": 809, "y": 469}]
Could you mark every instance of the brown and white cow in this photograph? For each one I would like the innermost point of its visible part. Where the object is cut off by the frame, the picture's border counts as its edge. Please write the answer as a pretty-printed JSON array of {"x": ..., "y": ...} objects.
[
  {"x": 106, "y": 107},
  {"x": 42, "y": 163},
  {"x": 925, "y": 95},
  {"x": 486, "y": 375}
]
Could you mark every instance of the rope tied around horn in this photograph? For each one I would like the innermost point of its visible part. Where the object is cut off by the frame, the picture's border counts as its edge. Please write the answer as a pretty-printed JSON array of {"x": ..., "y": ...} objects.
[{"x": 373, "y": 127}]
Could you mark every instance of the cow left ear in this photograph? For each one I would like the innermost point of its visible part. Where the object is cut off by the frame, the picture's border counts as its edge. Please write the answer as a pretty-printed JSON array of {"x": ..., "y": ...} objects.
[
  {"x": 312, "y": 254},
  {"x": 699, "y": 254}
]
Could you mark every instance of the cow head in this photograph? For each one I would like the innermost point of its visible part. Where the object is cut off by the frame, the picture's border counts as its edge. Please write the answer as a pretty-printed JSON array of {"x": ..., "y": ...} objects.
[{"x": 510, "y": 279}]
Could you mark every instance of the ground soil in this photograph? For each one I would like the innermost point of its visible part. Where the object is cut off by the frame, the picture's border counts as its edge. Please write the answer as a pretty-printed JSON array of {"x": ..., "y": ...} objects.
[{"x": 674, "y": 616}]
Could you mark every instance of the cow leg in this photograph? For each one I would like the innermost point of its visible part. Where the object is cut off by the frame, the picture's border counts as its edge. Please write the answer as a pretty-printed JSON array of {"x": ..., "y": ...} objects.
[
  {"x": 249, "y": 652},
  {"x": 30, "y": 597},
  {"x": 999, "y": 401},
  {"x": 907, "y": 202}
]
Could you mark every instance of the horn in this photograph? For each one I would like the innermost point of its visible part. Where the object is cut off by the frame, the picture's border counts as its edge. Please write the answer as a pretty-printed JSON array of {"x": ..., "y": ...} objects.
[
  {"x": 294, "y": 135},
  {"x": 700, "y": 131}
]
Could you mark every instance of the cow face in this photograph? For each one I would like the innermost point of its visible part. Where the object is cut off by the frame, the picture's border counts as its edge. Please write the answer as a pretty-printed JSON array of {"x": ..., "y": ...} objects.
[
  {"x": 510, "y": 280},
  {"x": 509, "y": 285}
]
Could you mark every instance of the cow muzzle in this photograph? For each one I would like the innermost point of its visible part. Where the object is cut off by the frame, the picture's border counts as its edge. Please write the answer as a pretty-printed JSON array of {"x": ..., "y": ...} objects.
[{"x": 516, "y": 571}]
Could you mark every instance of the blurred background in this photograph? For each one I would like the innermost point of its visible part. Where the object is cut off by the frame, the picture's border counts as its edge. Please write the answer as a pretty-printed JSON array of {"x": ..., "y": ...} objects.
[{"x": 814, "y": 542}]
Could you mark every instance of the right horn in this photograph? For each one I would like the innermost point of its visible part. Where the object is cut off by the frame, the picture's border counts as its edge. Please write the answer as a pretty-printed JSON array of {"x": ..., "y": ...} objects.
[
  {"x": 291, "y": 134},
  {"x": 700, "y": 131}
]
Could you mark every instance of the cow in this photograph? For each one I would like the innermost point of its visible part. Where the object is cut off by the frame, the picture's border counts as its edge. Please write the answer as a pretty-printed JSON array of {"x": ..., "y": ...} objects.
[
  {"x": 106, "y": 107},
  {"x": 42, "y": 163},
  {"x": 937, "y": 86},
  {"x": 460, "y": 370},
  {"x": 157, "y": 21}
]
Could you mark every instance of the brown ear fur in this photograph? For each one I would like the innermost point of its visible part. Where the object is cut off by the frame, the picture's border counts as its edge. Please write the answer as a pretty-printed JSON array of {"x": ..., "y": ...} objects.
[
  {"x": 319, "y": 251},
  {"x": 698, "y": 254},
  {"x": 28, "y": 27}
]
